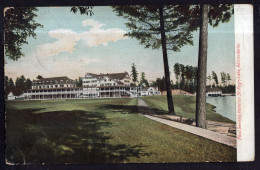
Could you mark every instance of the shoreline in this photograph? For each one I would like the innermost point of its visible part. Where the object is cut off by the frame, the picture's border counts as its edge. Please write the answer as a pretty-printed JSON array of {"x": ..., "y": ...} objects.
[{"x": 223, "y": 114}]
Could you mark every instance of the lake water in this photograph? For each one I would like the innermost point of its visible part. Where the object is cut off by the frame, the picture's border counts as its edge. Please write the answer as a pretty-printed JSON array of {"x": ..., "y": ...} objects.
[{"x": 226, "y": 106}]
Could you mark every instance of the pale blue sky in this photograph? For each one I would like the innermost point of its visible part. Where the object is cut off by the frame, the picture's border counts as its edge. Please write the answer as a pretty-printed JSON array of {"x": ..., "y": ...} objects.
[{"x": 97, "y": 45}]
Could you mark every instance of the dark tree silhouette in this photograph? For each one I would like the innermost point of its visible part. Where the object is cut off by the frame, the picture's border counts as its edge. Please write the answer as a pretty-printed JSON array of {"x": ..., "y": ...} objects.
[
  {"x": 19, "y": 24},
  {"x": 134, "y": 73},
  {"x": 158, "y": 27},
  {"x": 143, "y": 80},
  {"x": 200, "y": 16}
]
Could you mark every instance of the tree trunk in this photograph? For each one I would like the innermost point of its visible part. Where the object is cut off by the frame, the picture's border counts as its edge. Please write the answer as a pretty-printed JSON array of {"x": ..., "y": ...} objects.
[
  {"x": 166, "y": 65},
  {"x": 202, "y": 70}
]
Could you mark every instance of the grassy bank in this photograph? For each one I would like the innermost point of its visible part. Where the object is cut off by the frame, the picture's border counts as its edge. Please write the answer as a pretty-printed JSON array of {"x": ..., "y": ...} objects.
[
  {"x": 99, "y": 131},
  {"x": 184, "y": 106}
]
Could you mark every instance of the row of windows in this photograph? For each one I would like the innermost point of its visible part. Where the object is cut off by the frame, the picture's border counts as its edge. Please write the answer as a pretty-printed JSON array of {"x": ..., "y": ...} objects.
[
  {"x": 92, "y": 81},
  {"x": 108, "y": 84},
  {"x": 94, "y": 85},
  {"x": 91, "y": 95},
  {"x": 51, "y": 82},
  {"x": 89, "y": 77},
  {"x": 58, "y": 90},
  {"x": 52, "y": 86}
]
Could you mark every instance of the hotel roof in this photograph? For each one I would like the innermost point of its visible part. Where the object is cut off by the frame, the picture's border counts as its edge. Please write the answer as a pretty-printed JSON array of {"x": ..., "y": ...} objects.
[
  {"x": 117, "y": 76},
  {"x": 64, "y": 78}
]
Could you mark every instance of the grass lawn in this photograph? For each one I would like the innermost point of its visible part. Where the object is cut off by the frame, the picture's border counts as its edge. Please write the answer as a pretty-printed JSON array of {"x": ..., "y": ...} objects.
[
  {"x": 184, "y": 106},
  {"x": 99, "y": 131}
]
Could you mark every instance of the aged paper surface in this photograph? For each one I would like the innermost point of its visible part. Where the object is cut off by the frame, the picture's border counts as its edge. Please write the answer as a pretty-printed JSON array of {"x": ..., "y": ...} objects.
[
  {"x": 93, "y": 89},
  {"x": 244, "y": 82}
]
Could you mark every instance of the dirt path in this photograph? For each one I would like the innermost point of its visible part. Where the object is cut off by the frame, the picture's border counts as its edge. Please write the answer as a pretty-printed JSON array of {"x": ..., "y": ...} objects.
[{"x": 217, "y": 137}]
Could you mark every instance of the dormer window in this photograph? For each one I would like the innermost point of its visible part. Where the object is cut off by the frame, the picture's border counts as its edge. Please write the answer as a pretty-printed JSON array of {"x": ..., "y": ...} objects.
[
  {"x": 67, "y": 81},
  {"x": 61, "y": 81}
]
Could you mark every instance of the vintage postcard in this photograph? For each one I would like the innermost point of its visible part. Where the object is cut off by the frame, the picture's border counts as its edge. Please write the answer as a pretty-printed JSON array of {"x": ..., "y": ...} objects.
[{"x": 129, "y": 84}]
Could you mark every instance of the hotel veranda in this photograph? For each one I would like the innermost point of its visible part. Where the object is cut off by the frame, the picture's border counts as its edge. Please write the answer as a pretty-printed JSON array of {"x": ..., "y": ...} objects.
[{"x": 115, "y": 85}]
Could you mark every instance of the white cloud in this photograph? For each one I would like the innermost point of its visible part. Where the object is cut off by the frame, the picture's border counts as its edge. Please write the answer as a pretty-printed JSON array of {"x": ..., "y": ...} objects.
[
  {"x": 98, "y": 36},
  {"x": 93, "y": 23},
  {"x": 67, "y": 39},
  {"x": 66, "y": 42}
]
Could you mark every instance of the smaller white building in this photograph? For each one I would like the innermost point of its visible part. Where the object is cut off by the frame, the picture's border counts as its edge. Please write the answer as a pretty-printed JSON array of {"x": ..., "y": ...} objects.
[
  {"x": 150, "y": 91},
  {"x": 11, "y": 96},
  {"x": 214, "y": 92}
]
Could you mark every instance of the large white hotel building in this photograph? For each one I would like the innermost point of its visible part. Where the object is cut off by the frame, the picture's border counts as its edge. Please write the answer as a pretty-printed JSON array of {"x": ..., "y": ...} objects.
[{"x": 93, "y": 86}]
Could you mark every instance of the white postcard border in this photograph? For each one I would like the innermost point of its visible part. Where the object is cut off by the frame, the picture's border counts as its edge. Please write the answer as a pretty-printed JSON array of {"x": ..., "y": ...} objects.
[{"x": 244, "y": 82}]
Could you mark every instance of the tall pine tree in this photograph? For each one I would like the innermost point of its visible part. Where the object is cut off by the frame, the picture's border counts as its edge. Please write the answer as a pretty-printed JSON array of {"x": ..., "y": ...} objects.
[
  {"x": 158, "y": 27},
  {"x": 134, "y": 73},
  {"x": 200, "y": 16}
]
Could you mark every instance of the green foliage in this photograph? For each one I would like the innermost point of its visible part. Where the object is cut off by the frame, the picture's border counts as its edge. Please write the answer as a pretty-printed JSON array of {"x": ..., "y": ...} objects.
[
  {"x": 228, "y": 77},
  {"x": 188, "y": 75},
  {"x": 215, "y": 77},
  {"x": 39, "y": 77},
  {"x": 21, "y": 84},
  {"x": 143, "y": 81},
  {"x": 134, "y": 73},
  {"x": 176, "y": 70},
  {"x": 28, "y": 84},
  {"x": 19, "y": 23},
  {"x": 79, "y": 82},
  {"x": 8, "y": 85},
  {"x": 216, "y": 13},
  {"x": 229, "y": 89},
  {"x": 223, "y": 78},
  {"x": 182, "y": 83},
  {"x": 160, "y": 83},
  {"x": 144, "y": 23},
  {"x": 83, "y": 10}
]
